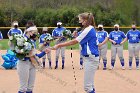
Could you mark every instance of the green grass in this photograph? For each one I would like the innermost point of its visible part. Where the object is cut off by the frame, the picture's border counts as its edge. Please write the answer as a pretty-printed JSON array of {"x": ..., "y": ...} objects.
[{"x": 4, "y": 45}]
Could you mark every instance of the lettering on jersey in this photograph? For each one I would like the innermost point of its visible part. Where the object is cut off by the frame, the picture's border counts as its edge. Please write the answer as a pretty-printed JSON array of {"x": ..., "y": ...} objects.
[
  {"x": 134, "y": 36},
  {"x": 100, "y": 35}
]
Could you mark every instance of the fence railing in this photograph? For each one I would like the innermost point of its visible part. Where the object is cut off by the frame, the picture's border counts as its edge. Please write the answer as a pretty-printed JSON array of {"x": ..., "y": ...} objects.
[
  {"x": 68, "y": 27},
  {"x": 5, "y": 30}
]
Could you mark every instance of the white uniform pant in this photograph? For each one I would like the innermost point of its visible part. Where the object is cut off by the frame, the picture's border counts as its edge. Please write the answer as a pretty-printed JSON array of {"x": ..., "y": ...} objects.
[
  {"x": 26, "y": 72},
  {"x": 62, "y": 50},
  {"x": 90, "y": 66},
  {"x": 133, "y": 50}
]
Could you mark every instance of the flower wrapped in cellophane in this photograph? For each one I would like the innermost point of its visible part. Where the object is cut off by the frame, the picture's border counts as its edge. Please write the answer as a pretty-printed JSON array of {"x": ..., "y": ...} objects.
[
  {"x": 21, "y": 45},
  {"x": 67, "y": 33},
  {"x": 48, "y": 38}
]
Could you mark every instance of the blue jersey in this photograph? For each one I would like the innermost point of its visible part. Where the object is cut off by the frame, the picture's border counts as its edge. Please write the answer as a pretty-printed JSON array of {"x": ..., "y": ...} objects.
[
  {"x": 41, "y": 39},
  {"x": 57, "y": 32},
  {"x": 101, "y": 36},
  {"x": 1, "y": 37},
  {"x": 88, "y": 41},
  {"x": 14, "y": 31},
  {"x": 133, "y": 36},
  {"x": 117, "y": 36}
]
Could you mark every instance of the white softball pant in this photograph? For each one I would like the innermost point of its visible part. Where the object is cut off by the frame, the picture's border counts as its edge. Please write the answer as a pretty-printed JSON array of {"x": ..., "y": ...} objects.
[
  {"x": 133, "y": 50},
  {"x": 48, "y": 55},
  {"x": 90, "y": 66},
  {"x": 103, "y": 52},
  {"x": 116, "y": 49},
  {"x": 26, "y": 72},
  {"x": 62, "y": 49}
]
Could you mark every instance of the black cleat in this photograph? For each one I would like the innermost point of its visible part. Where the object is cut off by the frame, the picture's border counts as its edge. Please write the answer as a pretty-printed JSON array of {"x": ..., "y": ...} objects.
[
  {"x": 104, "y": 68},
  {"x": 62, "y": 66},
  {"x": 55, "y": 67}
]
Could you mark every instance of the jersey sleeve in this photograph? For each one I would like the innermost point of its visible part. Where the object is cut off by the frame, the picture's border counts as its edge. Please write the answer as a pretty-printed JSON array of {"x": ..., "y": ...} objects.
[
  {"x": 110, "y": 35},
  {"x": 9, "y": 32},
  {"x": 127, "y": 35},
  {"x": 139, "y": 35},
  {"x": 54, "y": 33},
  {"x": 106, "y": 34},
  {"x": 1, "y": 37},
  {"x": 41, "y": 40},
  {"x": 85, "y": 35},
  {"x": 20, "y": 31},
  {"x": 123, "y": 35}
]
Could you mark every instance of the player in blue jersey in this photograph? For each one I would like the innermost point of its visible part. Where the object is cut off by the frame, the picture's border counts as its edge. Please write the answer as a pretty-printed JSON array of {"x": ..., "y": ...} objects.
[
  {"x": 133, "y": 37},
  {"x": 57, "y": 35},
  {"x": 43, "y": 45},
  {"x": 1, "y": 36},
  {"x": 102, "y": 38},
  {"x": 25, "y": 67},
  {"x": 116, "y": 38},
  {"x": 89, "y": 43},
  {"x": 13, "y": 30},
  {"x": 76, "y": 33}
]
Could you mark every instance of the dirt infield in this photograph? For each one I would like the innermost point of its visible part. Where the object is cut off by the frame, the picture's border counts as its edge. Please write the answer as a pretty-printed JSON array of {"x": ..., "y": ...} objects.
[{"x": 62, "y": 81}]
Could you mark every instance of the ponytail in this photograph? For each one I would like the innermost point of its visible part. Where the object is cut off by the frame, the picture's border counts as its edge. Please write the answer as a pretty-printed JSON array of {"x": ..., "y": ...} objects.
[{"x": 89, "y": 17}]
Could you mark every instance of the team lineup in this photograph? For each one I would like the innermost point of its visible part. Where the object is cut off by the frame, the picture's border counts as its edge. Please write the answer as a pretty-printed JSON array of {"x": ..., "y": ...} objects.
[{"x": 92, "y": 45}]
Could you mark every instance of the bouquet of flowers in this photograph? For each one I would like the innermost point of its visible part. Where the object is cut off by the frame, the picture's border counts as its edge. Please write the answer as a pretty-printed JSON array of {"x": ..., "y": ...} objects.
[
  {"x": 67, "y": 33},
  {"x": 48, "y": 38},
  {"x": 22, "y": 45}
]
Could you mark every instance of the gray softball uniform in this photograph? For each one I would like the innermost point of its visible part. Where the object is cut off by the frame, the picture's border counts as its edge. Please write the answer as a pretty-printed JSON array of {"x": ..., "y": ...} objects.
[
  {"x": 57, "y": 33},
  {"x": 117, "y": 36},
  {"x": 133, "y": 37},
  {"x": 44, "y": 46},
  {"x": 26, "y": 72},
  {"x": 88, "y": 41},
  {"x": 103, "y": 49}
]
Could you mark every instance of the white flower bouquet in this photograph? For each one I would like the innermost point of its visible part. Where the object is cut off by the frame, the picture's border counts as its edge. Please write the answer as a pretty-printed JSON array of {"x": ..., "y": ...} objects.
[
  {"x": 48, "y": 38},
  {"x": 67, "y": 33},
  {"x": 22, "y": 46}
]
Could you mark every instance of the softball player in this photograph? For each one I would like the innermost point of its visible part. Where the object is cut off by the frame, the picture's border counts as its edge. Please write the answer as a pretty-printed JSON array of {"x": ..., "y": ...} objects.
[
  {"x": 76, "y": 34},
  {"x": 1, "y": 36},
  {"x": 13, "y": 30},
  {"x": 88, "y": 41},
  {"x": 43, "y": 45},
  {"x": 57, "y": 34},
  {"x": 116, "y": 38},
  {"x": 102, "y": 38},
  {"x": 81, "y": 57},
  {"x": 25, "y": 68},
  {"x": 133, "y": 37}
]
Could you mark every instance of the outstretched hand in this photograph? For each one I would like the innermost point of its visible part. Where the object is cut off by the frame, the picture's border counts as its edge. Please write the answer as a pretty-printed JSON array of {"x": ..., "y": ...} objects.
[
  {"x": 47, "y": 50},
  {"x": 55, "y": 47}
]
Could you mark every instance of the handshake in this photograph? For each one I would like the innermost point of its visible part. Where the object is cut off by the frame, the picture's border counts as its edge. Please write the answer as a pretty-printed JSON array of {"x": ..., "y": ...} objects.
[{"x": 47, "y": 50}]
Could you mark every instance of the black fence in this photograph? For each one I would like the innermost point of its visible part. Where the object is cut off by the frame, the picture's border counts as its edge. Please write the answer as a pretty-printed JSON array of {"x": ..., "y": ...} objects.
[{"x": 4, "y": 30}]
